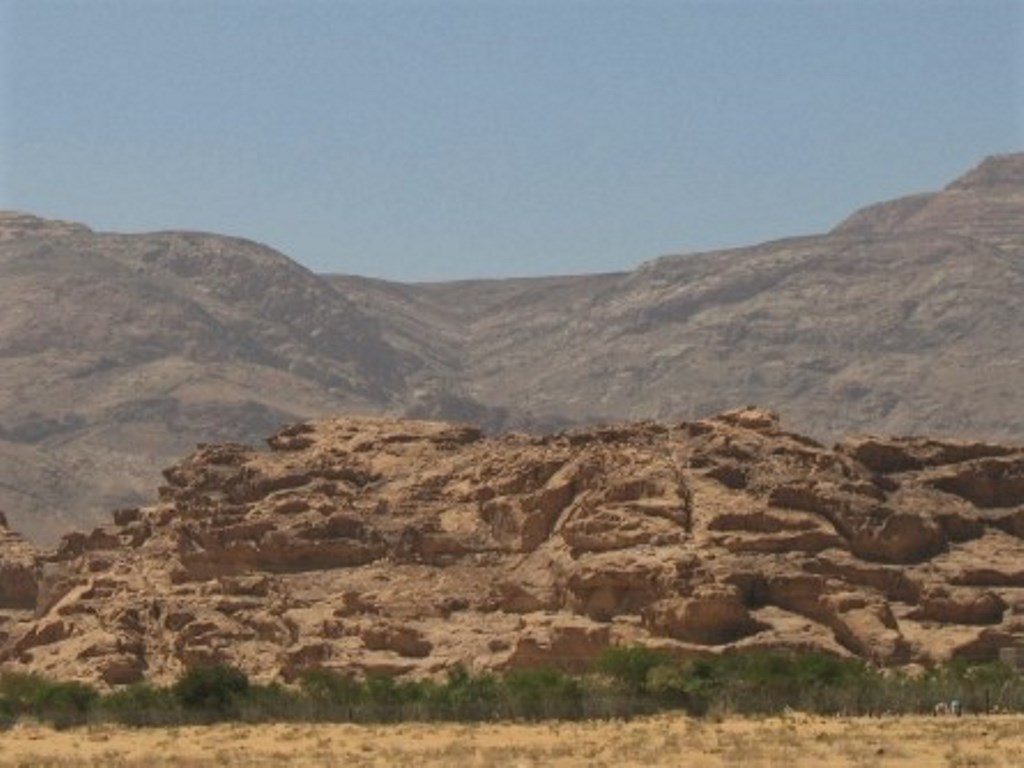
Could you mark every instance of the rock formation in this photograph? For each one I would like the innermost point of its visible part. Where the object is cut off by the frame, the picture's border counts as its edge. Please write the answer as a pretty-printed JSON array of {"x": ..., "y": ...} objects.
[{"x": 378, "y": 545}]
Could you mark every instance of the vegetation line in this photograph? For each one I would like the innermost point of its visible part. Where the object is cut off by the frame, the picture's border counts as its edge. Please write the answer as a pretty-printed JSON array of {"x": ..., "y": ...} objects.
[{"x": 625, "y": 682}]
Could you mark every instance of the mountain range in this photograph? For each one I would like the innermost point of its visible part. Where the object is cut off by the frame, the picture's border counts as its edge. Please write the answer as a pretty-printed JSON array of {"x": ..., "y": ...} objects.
[{"x": 122, "y": 351}]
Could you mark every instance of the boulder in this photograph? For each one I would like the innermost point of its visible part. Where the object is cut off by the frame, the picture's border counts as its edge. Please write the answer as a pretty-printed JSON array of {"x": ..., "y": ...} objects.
[
  {"x": 711, "y": 616},
  {"x": 960, "y": 606}
]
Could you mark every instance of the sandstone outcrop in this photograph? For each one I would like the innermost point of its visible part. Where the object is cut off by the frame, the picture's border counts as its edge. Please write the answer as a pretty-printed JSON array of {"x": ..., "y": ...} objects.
[
  {"x": 19, "y": 570},
  {"x": 379, "y": 545}
]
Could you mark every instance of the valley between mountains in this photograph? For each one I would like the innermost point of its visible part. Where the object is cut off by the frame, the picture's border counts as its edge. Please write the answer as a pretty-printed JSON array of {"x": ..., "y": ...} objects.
[{"x": 121, "y": 352}]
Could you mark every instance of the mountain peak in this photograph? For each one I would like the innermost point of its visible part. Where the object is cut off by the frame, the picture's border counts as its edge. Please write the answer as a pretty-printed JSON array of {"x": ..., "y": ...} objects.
[
  {"x": 994, "y": 171},
  {"x": 986, "y": 204},
  {"x": 16, "y": 225}
]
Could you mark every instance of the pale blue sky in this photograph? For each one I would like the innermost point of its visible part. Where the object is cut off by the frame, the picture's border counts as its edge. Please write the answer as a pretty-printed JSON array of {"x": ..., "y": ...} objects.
[{"x": 439, "y": 139}]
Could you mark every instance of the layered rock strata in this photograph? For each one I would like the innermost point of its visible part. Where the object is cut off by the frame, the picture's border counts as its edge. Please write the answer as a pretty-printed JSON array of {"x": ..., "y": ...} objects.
[{"x": 377, "y": 545}]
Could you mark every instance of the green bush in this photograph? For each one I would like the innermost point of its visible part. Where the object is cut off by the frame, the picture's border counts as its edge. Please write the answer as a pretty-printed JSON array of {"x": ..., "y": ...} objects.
[
  {"x": 542, "y": 693},
  {"x": 66, "y": 704},
  {"x": 61, "y": 704},
  {"x": 670, "y": 685},
  {"x": 631, "y": 667},
  {"x": 7, "y": 714},
  {"x": 463, "y": 696},
  {"x": 273, "y": 702},
  {"x": 821, "y": 669},
  {"x": 330, "y": 689},
  {"x": 212, "y": 691},
  {"x": 141, "y": 704},
  {"x": 21, "y": 692}
]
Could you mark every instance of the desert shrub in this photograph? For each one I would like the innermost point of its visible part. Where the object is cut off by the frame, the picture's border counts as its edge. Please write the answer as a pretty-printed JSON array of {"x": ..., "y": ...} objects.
[
  {"x": 382, "y": 691},
  {"x": 7, "y": 714},
  {"x": 978, "y": 686},
  {"x": 64, "y": 704},
  {"x": 541, "y": 693},
  {"x": 465, "y": 696},
  {"x": 329, "y": 690},
  {"x": 61, "y": 704},
  {"x": 21, "y": 692},
  {"x": 211, "y": 692},
  {"x": 750, "y": 683},
  {"x": 462, "y": 696},
  {"x": 273, "y": 702},
  {"x": 631, "y": 667},
  {"x": 379, "y": 698},
  {"x": 757, "y": 683},
  {"x": 670, "y": 686},
  {"x": 822, "y": 669},
  {"x": 141, "y": 704}
]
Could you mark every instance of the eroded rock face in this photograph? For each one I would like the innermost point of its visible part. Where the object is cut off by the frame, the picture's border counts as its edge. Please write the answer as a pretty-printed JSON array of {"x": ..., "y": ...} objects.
[
  {"x": 379, "y": 545},
  {"x": 712, "y": 616},
  {"x": 19, "y": 570}
]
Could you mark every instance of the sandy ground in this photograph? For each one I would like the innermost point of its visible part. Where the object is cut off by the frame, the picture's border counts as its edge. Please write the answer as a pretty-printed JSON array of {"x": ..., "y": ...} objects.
[{"x": 795, "y": 740}]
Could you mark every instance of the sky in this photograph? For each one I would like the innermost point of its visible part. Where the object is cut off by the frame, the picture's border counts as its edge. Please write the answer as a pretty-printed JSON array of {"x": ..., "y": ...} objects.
[{"x": 441, "y": 139}]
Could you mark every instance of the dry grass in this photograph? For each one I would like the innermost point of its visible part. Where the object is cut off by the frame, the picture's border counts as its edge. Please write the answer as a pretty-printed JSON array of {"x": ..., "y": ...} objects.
[{"x": 792, "y": 740}]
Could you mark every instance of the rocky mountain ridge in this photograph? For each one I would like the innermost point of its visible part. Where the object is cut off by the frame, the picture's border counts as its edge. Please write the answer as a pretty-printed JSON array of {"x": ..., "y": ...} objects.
[
  {"x": 377, "y": 545},
  {"x": 121, "y": 352}
]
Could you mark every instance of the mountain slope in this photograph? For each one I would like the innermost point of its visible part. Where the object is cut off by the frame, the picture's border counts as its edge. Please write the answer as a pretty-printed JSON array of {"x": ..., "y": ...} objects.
[
  {"x": 120, "y": 351},
  {"x": 904, "y": 319}
]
